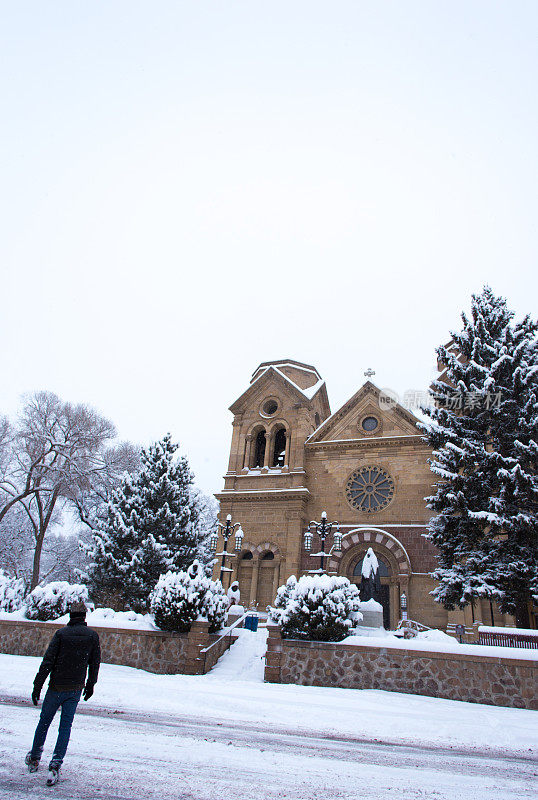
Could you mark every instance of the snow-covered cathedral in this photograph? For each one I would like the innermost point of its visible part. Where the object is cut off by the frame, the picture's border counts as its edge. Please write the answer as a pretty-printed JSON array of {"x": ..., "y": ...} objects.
[{"x": 365, "y": 465}]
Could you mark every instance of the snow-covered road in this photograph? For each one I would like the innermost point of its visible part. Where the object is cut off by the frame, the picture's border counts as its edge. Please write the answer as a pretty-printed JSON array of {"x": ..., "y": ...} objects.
[{"x": 131, "y": 756}]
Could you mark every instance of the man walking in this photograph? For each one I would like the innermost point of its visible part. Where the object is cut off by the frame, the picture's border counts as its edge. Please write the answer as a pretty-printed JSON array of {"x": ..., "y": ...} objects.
[{"x": 73, "y": 650}]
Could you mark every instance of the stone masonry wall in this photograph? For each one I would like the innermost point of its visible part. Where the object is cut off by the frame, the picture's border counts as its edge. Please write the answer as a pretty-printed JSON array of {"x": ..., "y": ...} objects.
[
  {"x": 501, "y": 681},
  {"x": 154, "y": 651}
]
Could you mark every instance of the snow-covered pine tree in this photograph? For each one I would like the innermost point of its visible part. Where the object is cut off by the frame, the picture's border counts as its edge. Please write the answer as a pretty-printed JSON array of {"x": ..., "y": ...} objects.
[
  {"x": 169, "y": 518},
  {"x": 114, "y": 553},
  {"x": 152, "y": 527},
  {"x": 484, "y": 433}
]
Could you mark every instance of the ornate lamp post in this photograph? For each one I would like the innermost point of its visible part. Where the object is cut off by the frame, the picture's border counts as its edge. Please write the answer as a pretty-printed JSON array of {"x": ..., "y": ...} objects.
[
  {"x": 323, "y": 529},
  {"x": 403, "y": 605},
  {"x": 227, "y": 531}
]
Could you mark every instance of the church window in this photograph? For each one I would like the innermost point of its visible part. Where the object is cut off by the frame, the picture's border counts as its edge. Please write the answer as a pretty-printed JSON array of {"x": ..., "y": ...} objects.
[
  {"x": 316, "y": 420},
  {"x": 369, "y": 424},
  {"x": 259, "y": 449},
  {"x": 279, "y": 451},
  {"x": 384, "y": 569},
  {"x": 247, "y": 556},
  {"x": 268, "y": 556},
  {"x": 369, "y": 489},
  {"x": 270, "y": 407}
]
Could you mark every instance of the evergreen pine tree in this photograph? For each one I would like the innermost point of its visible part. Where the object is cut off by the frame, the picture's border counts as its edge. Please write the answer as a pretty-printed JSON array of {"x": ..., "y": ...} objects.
[
  {"x": 114, "y": 552},
  {"x": 484, "y": 434},
  {"x": 152, "y": 527},
  {"x": 169, "y": 519}
]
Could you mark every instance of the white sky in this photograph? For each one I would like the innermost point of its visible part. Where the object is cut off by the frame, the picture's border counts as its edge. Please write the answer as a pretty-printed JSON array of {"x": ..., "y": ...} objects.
[{"x": 188, "y": 189}]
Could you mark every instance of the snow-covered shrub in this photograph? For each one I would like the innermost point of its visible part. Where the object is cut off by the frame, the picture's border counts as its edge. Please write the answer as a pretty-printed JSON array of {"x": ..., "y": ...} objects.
[
  {"x": 319, "y": 607},
  {"x": 11, "y": 592},
  {"x": 180, "y": 598},
  {"x": 54, "y": 600}
]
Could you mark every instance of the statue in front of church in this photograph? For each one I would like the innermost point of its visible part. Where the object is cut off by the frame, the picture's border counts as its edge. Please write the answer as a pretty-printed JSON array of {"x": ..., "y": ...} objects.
[{"x": 370, "y": 582}]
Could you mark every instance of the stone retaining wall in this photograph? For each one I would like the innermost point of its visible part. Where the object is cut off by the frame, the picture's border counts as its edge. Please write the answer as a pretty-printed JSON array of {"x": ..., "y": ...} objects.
[
  {"x": 501, "y": 681},
  {"x": 154, "y": 651}
]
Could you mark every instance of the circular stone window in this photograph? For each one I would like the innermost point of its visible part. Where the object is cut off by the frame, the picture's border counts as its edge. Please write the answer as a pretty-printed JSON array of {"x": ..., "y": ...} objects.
[
  {"x": 270, "y": 407},
  {"x": 369, "y": 424},
  {"x": 369, "y": 489}
]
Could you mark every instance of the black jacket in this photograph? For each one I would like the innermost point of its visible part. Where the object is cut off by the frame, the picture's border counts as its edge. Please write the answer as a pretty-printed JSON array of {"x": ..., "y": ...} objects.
[{"x": 73, "y": 650}]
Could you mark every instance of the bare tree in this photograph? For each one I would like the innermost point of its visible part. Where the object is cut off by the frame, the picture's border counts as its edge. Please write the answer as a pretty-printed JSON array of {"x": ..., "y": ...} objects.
[
  {"x": 91, "y": 497},
  {"x": 60, "y": 557},
  {"x": 17, "y": 544},
  {"x": 54, "y": 453}
]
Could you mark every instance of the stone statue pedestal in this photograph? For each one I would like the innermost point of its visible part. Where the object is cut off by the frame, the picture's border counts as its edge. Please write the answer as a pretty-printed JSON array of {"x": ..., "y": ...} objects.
[
  {"x": 372, "y": 614},
  {"x": 234, "y": 612}
]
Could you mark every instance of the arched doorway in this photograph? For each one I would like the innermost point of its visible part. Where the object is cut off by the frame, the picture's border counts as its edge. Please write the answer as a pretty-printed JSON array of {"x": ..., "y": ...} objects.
[
  {"x": 387, "y": 549},
  {"x": 385, "y": 574},
  {"x": 258, "y": 573},
  {"x": 266, "y": 572},
  {"x": 245, "y": 566}
]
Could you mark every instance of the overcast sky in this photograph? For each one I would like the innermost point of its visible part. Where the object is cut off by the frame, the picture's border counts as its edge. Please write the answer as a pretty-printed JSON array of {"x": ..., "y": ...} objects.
[{"x": 188, "y": 189}]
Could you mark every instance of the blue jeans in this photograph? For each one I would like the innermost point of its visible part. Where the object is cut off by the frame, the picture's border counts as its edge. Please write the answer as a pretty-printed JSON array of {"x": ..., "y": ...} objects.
[{"x": 51, "y": 703}]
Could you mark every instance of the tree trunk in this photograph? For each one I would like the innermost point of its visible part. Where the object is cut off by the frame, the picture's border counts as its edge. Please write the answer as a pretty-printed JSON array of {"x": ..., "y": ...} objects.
[
  {"x": 37, "y": 563},
  {"x": 522, "y": 613}
]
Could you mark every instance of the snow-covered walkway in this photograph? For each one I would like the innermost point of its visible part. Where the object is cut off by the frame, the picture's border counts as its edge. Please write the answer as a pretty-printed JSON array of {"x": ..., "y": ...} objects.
[{"x": 245, "y": 660}]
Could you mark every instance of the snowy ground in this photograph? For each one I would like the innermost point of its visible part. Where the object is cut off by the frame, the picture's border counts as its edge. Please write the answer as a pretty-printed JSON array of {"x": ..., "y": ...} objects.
[{"x": 227, "y": 734}]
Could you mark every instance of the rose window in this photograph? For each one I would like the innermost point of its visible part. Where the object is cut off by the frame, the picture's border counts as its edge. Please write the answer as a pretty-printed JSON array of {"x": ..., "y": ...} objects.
[{"x": 370, "y": 489}]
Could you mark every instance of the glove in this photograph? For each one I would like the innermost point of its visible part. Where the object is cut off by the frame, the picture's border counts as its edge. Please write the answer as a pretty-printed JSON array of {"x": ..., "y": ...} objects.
[
  {"x": 88, "y": 691},
  {"x": 35, "y": 696}
]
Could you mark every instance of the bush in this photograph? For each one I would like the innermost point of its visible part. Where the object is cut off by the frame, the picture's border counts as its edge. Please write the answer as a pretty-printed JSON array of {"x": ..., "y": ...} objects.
[
  {"x": 180, "y": 598},
  {"x": 318, "y": 607},
  {"x": 54, "y": 599},
  {"x": 12, "y": 592}
]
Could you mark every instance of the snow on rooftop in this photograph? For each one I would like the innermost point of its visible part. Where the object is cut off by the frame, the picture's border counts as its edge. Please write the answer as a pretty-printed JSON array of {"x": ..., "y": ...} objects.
[
  {"x": 302, "y": 367},
  {"x": 308, "y": 393}
]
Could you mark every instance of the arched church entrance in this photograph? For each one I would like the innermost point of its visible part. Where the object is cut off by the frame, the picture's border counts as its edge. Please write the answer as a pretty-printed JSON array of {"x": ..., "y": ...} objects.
[
  {"x": 385, "y": 575},
  {"x": 394, "y": 565},
  {"x": 264, "y": 595},
  {"x": 268, "y": 575},
  {"x": 245, "y": 565},
  {"x": 258, "y": 573}
]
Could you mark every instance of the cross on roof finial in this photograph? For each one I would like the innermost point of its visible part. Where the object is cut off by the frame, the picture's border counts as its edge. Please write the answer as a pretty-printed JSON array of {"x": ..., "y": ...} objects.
[{"x": 369, "y": 372}]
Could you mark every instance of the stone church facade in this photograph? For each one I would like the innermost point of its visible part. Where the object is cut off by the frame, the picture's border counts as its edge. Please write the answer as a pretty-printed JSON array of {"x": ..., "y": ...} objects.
[{"x": 366, "y": 466}]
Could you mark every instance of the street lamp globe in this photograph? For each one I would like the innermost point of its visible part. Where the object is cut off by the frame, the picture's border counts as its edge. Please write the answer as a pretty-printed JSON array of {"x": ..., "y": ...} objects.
[
  {"x": 337, "y": 544},
  {"x": 239, "y": 539}
]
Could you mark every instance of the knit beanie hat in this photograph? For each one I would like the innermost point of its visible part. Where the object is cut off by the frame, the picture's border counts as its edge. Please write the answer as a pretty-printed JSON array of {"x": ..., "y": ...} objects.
[{"x": 77, "y": 609}]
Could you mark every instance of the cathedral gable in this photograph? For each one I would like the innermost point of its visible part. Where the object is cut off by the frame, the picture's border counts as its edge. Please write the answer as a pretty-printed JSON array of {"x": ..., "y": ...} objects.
[
  {"x": 362, "y": 416},
  {"x": 270, "y": 383}
]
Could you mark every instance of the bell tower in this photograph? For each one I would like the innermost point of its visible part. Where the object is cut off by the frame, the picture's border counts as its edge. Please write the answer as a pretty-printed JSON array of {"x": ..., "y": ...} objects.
[{"x": 265, "y": 485}]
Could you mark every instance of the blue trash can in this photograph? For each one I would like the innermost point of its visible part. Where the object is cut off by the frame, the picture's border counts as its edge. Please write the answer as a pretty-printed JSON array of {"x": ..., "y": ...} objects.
[{"x": 251, "y": 622}]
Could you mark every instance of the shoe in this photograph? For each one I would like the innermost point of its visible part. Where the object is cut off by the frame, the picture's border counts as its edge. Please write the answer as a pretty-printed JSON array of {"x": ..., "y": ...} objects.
[
  {"x": 31, "y": 763},
  {"x": 54, "y": 773}
]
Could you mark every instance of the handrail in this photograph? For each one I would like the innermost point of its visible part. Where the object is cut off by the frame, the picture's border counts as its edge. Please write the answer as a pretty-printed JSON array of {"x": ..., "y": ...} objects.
[{"x": 226, "y": 631}]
